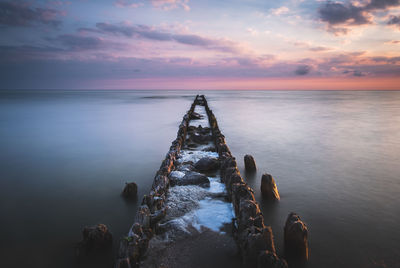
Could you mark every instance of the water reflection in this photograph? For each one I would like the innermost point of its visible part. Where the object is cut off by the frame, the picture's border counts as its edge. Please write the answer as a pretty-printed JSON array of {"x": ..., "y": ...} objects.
[{"x": 66, "y": 156}]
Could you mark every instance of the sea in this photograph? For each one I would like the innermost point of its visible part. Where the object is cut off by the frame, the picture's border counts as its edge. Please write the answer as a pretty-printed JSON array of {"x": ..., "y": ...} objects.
[{"x": 65, "y": 157}]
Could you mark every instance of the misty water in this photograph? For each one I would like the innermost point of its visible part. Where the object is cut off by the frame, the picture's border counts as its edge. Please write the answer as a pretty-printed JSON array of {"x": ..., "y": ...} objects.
[{"x": 65, "y": 157}]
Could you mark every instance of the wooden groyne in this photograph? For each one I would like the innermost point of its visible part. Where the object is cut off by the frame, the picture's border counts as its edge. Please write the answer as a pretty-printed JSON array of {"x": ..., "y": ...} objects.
[{"x": 199, "y": 176}]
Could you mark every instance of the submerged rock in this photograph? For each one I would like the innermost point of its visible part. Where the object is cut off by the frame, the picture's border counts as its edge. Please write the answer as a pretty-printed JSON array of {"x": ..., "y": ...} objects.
[
  {"x": 249, "y": 163},
  {"x": 253, "y": 241},
  {"x": 200, "y": 138},
  {"x": 209, "y": 149},
  {"x": 296, "y": 239},
  {"x": 123, "y": 263},
  {"x": 191, "y": 178},
  {"x": 268, "y": 187},
  {"x": 207, "y": 164},
  {"x": 268, "y": 259},
  {"x": 96, "y": 239},
  {"x": 130, "y": 190}
]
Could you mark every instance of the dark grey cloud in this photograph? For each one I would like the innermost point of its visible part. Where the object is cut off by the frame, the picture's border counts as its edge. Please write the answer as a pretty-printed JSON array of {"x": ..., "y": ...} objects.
[
  {"x": 319, "y": 49},
  {"x": 26, "y": 52},
  {"x": 381, "y": 4},
  {"x": 338, "y": 13},
  {"x": 77, "y": 42},
  {"x": 394, "y": 20},
  {"x": 60, "y": 46},
  {"x": 303, "y": 70},
  {"x": 146, "y": 32},
  {"x": 22, "y": 14},
  {"x": 387, "y": 60},
  {"x": 356, "y": 73},
  {"x": 132, "y": 31}
]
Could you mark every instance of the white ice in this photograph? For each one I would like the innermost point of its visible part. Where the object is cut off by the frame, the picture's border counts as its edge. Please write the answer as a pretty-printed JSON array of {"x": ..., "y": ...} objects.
[
  {"x": 195, "y": 156},
  {"x": 215, "y": 185},
  {"x": 177, "y": 174},
  {"x": 213, "y": 214}
]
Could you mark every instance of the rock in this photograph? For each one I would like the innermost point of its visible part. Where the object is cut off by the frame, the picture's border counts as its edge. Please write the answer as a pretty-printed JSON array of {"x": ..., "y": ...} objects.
[
  {"x": 143, "y": 216},
  {"x": 268, "y": 259},
  {"x": 200, "y": 138},
  {"x": 192, "y": 178},
  {"x": 249, "y": 163},
  {"x": 207, "y": 164},
  {"x": 248, "y": 210},
  {"x": 209, "y": 149},
  {"x": 123, "y": 263},
  {"x": 194, "y": 116},
  {"x": 96, "y": 239},
  {"x": 296, "y": 239},
  {"x": 268, "y": 187},
  {"x": 253, "y": 241},
  {"x": 130, "y": 190}
]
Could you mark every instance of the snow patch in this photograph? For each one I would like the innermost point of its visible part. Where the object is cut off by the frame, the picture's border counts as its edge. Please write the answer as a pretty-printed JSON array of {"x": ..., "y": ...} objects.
[
  {"x": 213, "y": 214},
  {"x": 195, "y": 156}
]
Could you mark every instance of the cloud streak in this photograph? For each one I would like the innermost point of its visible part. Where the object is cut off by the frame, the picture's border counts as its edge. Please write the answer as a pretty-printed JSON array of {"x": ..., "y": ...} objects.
[
  {"x": 151, "y": 33},
  {"x": 161, "y": 4},
  {"x": 22, "y": 14},
  {"x": 344, "y": 15}
]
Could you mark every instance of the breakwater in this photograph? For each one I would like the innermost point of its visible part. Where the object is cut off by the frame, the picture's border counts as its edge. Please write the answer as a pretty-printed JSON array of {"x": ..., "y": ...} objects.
[{"x": 198, "y": 188}]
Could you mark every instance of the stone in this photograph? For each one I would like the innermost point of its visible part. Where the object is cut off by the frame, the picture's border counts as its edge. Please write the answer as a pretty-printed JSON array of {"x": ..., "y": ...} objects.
[
  {"x": 143, "y": 216},
  {"x": 253, "y": 241},
  {"x": 96, "y": 239},
  {"x": 268, "y": 187},
  {"x": 200, "y": 138},
  {"x": 249, "y": 163},
  {"x": 248, "y": 210},
  {"x": 160, "y": 184},
  {"x": 296, "y": 239},
  {"x": 209, "y": 149},
  {"x": 123, "y": 263},
  {"x": 130, "y": 190},
  {"x": 194, "y": 116},
  {"x": 192, "y": 178},
  {"x": 207, "y": 164},
  {"x": 268, "y": 259}
]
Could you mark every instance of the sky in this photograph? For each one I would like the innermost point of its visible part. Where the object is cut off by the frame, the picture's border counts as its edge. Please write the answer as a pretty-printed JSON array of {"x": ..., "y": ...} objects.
[{"x": 189, "y": 44}]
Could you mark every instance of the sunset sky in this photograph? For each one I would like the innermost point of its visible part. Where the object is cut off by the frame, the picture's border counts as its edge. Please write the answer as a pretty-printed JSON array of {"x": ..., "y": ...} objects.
[{"x": 189, "y": 44}]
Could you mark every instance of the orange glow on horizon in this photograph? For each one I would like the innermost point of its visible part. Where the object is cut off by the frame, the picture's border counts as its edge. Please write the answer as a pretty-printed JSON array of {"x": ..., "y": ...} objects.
[{"x": 212, "y": 83}]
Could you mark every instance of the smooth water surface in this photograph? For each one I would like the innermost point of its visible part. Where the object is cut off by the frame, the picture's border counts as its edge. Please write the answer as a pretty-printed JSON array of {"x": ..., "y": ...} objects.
[{"x": 65, "y": 157}]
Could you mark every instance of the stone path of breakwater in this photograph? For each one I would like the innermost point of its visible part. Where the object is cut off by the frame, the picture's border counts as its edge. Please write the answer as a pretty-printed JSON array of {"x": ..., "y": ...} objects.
[{"x": 200, "y": 212}]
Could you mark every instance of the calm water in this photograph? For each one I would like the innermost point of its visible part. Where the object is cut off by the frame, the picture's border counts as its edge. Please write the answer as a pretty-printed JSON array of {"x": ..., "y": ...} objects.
[{"x": 65, "y": 156}]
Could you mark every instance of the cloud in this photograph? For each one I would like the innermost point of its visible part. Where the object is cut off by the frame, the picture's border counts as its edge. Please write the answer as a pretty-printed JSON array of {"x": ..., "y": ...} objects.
[
  {"x": 279, "y": 11},
  {"x": 303, "y": 70},
  {"x": 341, "y": 16},
  {"x": 252, "y": 31},
  {"x": 394, "y": 20},
  {"x": 310, "y": 47},
  {"x": 77, "y": 42},
  {"x": 337, "y": 13},
  {"x": 386, "y": 60},
  {"x": 161, "y": 4},
  {"x": 151, "y": 33},
  {"x": 356, "y": 73},
  {"x": 171, "y": 4},
  {"x": 392, "y": 42},
  {"x": 125, "y": 3},
  {"x": 22, "y": 14},
  {"x": 319, "y": 49},
  {"x": 381, "y": 4}
]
